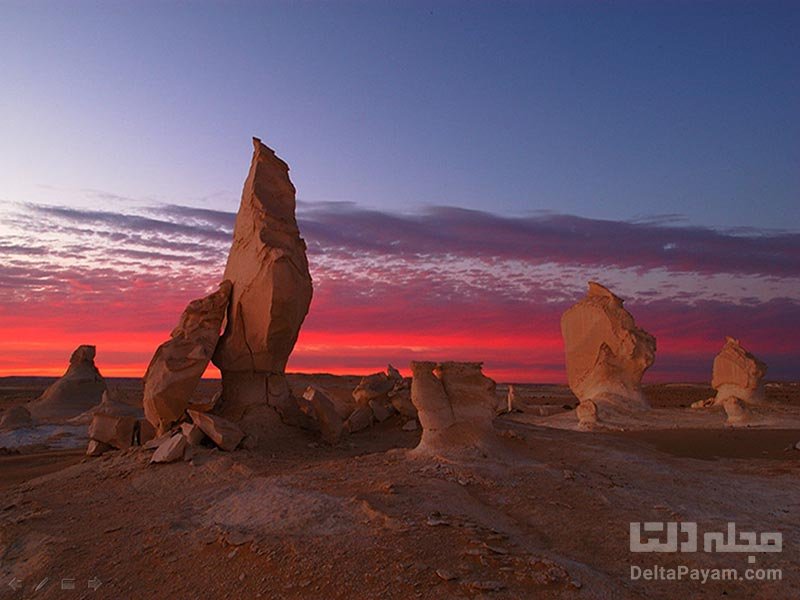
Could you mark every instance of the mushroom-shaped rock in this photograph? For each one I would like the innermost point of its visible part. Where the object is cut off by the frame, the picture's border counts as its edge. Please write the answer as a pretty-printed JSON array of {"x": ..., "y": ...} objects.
[
  {"x": 179, "y": 363},
  {"x": 738, "y": 374},
  {"x": 272, "y": 286},
  {"x": 606, "y": 353},
  {"x": 455, "y": 404},
  {"x": 75, "y": 392}
]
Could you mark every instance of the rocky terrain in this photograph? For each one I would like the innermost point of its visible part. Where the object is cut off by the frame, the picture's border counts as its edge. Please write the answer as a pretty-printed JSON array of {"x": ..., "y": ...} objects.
[{"x": 546, "y": 515}]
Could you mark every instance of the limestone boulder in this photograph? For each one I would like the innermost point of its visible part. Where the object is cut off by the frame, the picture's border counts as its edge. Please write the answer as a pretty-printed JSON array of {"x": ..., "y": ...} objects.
[
  {"x": 606, "y": 353},
  {"x": 193, "y": 434},
  {"x": 455, "y": 404},
  {"x": 373, "y": 387},
  {"x": 381, "y": 409},
  {"x": 115, "y": 430},
  {"x": 401, "y": 401},
  {"x": 225, "y": 434},
  {"x": 359, "y": 419},
  {"x": 96, "y": 448},
  {"x": 79, "y": 389},
  {"x": 331, "y": 425},
  {"x": 179, "y": 363},
  {"x": 738, "y": 374},
  {"x": 170, "y": 450},
  {"x": 272, "y": 287}
]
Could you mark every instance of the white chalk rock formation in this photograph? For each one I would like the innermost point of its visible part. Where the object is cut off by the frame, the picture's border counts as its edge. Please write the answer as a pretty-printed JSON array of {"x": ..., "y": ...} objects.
[
  {"x": 272, "y": 286},
  {"x": 606, "y": 353},
  {"x": 737, "y": 411},
  {"x": 179, "y": 363},
  {"x": 78, "y": 390},
  {"x": 738, "y": 374},
  {"x": 455, "y": 404}
]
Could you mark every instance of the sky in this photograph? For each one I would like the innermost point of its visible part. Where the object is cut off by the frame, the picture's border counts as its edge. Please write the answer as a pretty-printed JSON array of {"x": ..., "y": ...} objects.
[{"x": 463, "y": 169}]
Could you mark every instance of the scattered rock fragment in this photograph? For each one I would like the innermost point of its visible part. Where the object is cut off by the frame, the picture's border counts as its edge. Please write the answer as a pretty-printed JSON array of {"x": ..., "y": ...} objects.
[
  {"x": 170, "y": 450},
  {"x": 96, "y": 448},
  {"x": 225, "y": 434},
  {"x": 381, "y": 410},
  {"x": 193, "y": 434},
  {"x": 359, "y": 419},
  {"x": 331, "y": 425}
]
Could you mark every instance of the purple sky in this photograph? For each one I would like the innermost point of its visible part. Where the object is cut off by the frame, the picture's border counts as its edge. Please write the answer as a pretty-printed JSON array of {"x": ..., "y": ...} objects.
[{"x": 460, "y": 167}]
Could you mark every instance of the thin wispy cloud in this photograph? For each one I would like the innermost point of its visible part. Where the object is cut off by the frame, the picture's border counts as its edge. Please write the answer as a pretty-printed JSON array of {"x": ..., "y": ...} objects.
[{"x": 443, "y": 282}]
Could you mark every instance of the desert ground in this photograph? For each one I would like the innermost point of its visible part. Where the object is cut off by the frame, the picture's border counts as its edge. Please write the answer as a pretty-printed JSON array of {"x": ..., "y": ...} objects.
[{"x": 545, "y": 515}]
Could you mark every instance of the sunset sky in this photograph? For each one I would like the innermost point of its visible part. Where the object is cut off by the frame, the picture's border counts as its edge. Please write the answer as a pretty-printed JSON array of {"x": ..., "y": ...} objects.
[{"x": 463, "y": 169}]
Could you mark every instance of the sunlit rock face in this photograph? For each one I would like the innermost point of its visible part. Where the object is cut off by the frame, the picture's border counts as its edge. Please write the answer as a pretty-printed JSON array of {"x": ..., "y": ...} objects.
[
  {"x": 75, "y": 392},
  {"x": 455, "y": 404},
  {"x": 738, "y": 374},
  {"x": 179, "y": 363},
  {"x": 272, "y": 288},
  {"x": 606, "y": 353}
]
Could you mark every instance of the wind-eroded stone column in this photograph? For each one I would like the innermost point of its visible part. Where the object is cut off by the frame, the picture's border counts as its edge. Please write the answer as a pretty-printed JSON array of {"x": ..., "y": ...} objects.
[{"x": 272, "y": 288}]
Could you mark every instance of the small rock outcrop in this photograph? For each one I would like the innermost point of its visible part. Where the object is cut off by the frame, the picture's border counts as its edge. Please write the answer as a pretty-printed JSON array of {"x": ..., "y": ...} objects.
[
  {"x": 455, "y": 403},
  {"x": 75, "y": 392},
  {"x": 738, "y": 374},
  {"x": 179, "y": 363},
  {"x": 15, "y": 418},
  {"x": 272, "y": 287},
  {"x": 606, "y": 354},
  {"x": 385, "y": 394}
]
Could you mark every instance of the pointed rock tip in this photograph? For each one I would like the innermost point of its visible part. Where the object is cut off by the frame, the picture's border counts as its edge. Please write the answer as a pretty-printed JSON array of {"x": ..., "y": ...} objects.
[{"x": 598, "y": 289}]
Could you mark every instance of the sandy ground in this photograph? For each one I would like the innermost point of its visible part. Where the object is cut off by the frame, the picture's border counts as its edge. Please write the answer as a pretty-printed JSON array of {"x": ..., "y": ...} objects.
[{"x": 544, "y": 516}]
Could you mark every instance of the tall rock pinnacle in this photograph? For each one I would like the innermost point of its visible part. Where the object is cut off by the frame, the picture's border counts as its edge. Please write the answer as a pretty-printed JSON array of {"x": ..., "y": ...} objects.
[{"x": 272, "y": 286}]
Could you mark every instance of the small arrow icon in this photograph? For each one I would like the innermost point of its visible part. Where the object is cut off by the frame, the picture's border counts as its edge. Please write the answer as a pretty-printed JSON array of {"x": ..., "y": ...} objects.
[
  {"x": 94, "y": 583},
  {"x": 15, "y": 584}
]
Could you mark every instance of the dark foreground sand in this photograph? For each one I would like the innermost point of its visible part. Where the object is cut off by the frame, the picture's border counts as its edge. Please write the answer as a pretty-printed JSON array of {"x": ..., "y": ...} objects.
[{"x": 547, "y": 516}]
